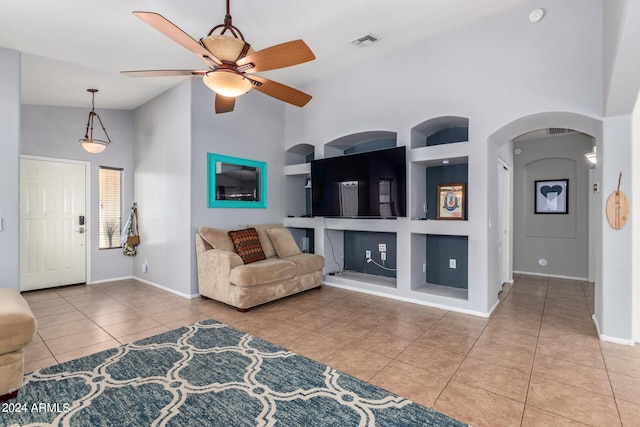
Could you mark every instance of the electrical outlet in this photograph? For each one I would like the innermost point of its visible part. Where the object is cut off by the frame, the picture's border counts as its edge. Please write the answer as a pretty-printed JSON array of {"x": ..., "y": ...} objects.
[
  {"x": 367, "y": 254},
  {"x": 424, "y": 267},
  {"x": 452, "y": 263},
  {"x": 383, "y": 256},
  {"x": 382, "y": 247}
]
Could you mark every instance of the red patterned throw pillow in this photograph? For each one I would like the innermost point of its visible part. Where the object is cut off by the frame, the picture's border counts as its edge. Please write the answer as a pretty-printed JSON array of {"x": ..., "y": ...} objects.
[{"x": 247, "y": 244}]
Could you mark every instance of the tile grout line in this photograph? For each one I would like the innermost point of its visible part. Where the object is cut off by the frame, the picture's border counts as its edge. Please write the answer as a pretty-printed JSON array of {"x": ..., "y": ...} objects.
[
  {"x": 88, "y": 318},
  {"x": 535, "y": 351},
  {"x": 467, "y": 353},
  {"x": 606, "y": 368}
]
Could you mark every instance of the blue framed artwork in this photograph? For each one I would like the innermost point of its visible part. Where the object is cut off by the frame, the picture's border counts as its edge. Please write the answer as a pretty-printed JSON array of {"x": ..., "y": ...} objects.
[{"x": 233, "y": 182}]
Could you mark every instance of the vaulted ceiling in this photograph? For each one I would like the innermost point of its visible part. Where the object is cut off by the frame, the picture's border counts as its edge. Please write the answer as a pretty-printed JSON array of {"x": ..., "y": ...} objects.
[{"x": 71, "y": 45}]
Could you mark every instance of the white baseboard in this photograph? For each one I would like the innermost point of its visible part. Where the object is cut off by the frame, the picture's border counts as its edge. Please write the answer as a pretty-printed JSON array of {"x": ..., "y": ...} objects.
[
  {"x": 411, "y": 300},
  {"x": 113, "y": 279},
  {"x": 614, "y": 340},
  {"x": 173, "y": 291},
  {"x": 555, "y": 276},
  {"x": 492, "y": 309}
]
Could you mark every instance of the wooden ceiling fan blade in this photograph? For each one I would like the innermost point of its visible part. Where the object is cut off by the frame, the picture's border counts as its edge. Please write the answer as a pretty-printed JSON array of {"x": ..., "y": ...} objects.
[
  {"x": 170, "y": 30},
  {"x": 164, "y": 73},
  {"x": 224, "y": 104},
  {"x": 280, "y": 91},
  {"x": 279, "y": 56}
]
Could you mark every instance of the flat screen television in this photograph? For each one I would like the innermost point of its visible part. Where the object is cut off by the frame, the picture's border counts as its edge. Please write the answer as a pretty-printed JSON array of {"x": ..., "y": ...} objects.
[{"x": 363, "y": 185}]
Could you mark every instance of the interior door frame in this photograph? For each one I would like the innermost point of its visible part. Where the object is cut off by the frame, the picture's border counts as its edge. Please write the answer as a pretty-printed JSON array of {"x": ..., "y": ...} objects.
[
  {"x": 506, "y": 198},
  {"x": 87, "y": 206}
]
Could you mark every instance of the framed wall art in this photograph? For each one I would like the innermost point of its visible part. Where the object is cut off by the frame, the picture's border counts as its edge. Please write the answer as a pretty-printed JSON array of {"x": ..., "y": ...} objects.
[
  {"x": 551, "y": 196},
  {"x": 451, "y": 201},
  {"x": 236, "y": 183}
]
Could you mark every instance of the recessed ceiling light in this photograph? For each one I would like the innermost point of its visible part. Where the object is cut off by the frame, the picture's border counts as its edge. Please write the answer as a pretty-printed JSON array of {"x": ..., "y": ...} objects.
[
  {"x": 364, "y": 40},
  {"x": 536, "y": 15}
]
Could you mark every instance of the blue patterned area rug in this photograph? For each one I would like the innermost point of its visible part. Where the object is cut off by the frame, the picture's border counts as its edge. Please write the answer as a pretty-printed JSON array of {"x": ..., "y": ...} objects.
[{"x": 207, "y": 374}]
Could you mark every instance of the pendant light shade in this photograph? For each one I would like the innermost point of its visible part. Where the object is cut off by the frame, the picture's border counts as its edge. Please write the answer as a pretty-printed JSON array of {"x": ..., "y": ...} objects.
[{"x": 89, "y": 143}]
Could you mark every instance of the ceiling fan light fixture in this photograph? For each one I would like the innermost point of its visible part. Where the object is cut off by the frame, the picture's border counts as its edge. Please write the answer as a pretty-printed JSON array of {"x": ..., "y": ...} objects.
[
  {"x": 227, "y": 83},
  {"x": 89, "y": 143},
  {"x": 231, "y": 62}
]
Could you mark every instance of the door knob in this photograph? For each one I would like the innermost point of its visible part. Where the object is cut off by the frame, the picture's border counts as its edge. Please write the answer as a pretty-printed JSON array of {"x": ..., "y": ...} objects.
[{"x": 80, "y": 230}]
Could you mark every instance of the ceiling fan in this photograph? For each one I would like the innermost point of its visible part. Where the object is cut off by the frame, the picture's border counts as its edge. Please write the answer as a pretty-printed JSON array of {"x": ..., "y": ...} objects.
[{"x": 232, "y": 62}]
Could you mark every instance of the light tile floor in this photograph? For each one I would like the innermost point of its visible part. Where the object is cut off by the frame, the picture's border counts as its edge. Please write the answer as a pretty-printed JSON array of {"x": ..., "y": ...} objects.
[{"x": 536, "y": 362}]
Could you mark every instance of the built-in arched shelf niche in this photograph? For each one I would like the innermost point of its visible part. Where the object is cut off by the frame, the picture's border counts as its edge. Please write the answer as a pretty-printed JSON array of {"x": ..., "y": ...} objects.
[
  {"x": 440, "y": 130},
  {"x": 299, "y": 154},
  {"x": 361, "y": 142}
]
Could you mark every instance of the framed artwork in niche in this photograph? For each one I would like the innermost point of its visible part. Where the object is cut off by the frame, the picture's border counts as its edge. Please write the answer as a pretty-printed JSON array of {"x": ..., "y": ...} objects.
[
  {"x": 451, "y": 201},
  {"x": 233, "y": 182},
  {"x": 551, "y": 196}
]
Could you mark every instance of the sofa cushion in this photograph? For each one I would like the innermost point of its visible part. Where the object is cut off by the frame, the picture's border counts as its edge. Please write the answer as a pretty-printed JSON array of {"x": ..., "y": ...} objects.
[
  {"x": 262, "y": 272},
  {"x": 306, "y": 263},
  {"x": 217, "y": 238},
  {"x": 265, "y": 241},
  {"x": 283, "y": 242},
  {"x": 247, "y": 245}
]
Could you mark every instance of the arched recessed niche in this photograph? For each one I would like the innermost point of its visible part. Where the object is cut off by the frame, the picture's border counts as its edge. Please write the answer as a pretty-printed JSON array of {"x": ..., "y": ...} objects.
[
  {"x": 299, "y": 154},
  {"x": 440, "y": 130},
  {"x": 360, "y": 142}
]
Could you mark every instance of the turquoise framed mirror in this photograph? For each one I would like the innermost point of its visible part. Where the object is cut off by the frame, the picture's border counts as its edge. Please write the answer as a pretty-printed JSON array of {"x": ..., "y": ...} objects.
[{"x": 233, "y": 182}]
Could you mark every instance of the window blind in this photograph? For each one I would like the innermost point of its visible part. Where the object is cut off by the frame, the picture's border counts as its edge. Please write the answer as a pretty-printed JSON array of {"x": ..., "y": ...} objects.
[{"x": 110, "y": 213}]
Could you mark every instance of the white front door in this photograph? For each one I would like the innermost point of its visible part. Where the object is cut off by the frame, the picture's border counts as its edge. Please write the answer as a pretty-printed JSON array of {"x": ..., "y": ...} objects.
[{"x": 53, "y": 242}]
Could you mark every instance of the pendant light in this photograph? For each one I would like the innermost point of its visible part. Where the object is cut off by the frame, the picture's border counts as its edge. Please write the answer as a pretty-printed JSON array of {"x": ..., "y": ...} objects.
[{"x": 89, "y": 143}]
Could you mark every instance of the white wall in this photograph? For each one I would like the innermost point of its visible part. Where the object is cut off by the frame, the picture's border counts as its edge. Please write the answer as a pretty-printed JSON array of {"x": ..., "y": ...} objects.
[
  {"x": 613, "y": 14},
  {"x": 493, "y": 72},
  {"x": 614, "y": 279},
  {"x": 162, "y": 162},
  {"x": 255, "y": 131},
  {"x": 621, "y": 60},
  {"x": 9, "y": 168}
]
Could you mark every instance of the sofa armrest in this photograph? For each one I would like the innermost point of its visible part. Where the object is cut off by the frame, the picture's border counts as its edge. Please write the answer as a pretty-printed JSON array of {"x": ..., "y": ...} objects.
[{"x": 214, "y": 268}]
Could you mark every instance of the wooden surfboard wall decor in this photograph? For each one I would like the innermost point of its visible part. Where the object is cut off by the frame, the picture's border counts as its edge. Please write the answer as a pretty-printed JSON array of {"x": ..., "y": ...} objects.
[{"x": 617, "y": 208}]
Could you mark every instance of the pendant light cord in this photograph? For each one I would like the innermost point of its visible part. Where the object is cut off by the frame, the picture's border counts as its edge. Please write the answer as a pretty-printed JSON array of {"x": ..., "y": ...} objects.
[{"x": 92, "y": 113}]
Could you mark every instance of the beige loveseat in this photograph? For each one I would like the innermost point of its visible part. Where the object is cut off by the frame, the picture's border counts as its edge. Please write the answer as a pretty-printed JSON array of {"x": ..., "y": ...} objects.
[
  {"x": 17, "y": 329},
  {"x": 225, "y": 277}
]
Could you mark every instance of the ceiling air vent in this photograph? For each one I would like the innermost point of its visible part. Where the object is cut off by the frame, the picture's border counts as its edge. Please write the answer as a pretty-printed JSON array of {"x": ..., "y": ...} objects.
[
  {"x": 364, "y": 40},
  {"x": 557, "y": 131}
]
